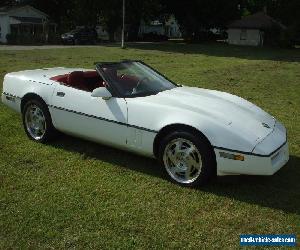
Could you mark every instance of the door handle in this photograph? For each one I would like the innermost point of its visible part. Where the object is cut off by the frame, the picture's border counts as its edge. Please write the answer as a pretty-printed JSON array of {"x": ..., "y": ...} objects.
[{"x": 60, "y": 94}]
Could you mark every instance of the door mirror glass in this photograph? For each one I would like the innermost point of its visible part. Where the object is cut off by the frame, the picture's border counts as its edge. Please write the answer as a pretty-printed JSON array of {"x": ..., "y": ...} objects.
[{"x": 101, "y": 92}]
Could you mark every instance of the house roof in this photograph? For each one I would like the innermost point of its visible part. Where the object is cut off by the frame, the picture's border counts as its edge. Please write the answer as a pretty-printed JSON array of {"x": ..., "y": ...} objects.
[
  {"x": 7, "y": 9},
  {"x": 34, "y": 20},
  {"x": 258, "y": 20}
]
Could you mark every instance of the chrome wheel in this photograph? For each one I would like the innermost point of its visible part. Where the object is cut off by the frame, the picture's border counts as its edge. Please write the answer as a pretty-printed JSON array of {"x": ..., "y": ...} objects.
[
  {"x": 35, "y": 122},
  {"x": 182, "y": 160}
]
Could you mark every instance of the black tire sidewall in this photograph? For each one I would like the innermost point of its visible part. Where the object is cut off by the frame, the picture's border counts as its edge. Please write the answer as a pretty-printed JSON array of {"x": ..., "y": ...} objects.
[
  {"x": 49, "y": 126},
  {"x": 206, "y": 151}
]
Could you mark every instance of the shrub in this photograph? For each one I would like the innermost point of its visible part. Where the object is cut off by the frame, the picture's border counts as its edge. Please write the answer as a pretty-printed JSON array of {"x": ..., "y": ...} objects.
[
  {"x": 277, "y": 36},
  {"x": 11, "y": 38},
  {"x": 54, "y": 38},
  {"x": 153, "y": 37},
  {"x": 29, "y": 39}
]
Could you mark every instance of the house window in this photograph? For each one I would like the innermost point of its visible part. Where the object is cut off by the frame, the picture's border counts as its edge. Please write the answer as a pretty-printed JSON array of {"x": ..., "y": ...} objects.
[{"x": 243, "y": 34}]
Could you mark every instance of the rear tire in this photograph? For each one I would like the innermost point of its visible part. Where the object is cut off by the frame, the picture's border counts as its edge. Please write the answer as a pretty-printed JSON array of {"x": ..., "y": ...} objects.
[
  {"x": 188, "y": 160},
  {"x": 37, "y": 121}
]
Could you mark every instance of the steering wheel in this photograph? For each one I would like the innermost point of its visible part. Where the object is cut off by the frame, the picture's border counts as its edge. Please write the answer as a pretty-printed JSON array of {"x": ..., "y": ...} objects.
[{"x": 135, "y": 90}]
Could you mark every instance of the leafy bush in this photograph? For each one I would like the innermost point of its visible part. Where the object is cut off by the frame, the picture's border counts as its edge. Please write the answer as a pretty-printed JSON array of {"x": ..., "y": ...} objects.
[
  {"x": 286, "y": 39},
  {"x": 29, "y": 39},
  {"x": 280, "y": 37},
  {"x": 11, "y": 39},
  {"x": 54, "y": 38},
  {"x": 207, "y": 35},
  {"x": 153, "y": 37}
]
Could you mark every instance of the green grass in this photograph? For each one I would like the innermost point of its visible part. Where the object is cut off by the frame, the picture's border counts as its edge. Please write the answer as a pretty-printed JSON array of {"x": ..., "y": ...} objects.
[{"x": 76, "y": 194}]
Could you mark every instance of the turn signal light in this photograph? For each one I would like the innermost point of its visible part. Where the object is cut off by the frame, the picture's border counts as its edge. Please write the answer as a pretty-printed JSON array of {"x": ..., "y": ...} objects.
[
  {"x": 239, "y": 157},
  {"x": 232, "y": 156}
]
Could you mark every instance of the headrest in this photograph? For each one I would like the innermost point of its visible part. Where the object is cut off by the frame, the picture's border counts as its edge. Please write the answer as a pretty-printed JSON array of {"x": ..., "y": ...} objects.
[
  {"x": 76, "y": 77},
  {"x": 91, "y": 74}
]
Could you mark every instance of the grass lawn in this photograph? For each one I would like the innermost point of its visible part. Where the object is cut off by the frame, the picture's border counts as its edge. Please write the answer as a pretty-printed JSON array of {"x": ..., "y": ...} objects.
[{"x": 76, "y": 194}]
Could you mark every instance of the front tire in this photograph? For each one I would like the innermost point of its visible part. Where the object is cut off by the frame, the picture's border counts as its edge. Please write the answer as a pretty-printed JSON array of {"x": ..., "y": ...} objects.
[
  {"x": 188, "y": 159},
  {"x": 37, "y": 121}
]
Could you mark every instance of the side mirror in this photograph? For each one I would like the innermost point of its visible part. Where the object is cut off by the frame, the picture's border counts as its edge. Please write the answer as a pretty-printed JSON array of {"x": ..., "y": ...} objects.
[{"x": 101, "y": 92}]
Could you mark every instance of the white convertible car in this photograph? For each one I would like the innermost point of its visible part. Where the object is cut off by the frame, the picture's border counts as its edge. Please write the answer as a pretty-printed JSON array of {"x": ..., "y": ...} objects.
[{"x": 195, "y": 133}]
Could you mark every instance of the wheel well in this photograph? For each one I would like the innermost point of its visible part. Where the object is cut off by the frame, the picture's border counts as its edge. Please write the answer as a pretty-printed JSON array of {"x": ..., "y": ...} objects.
[
  {"x": 176, "y": 127},
  {"x": 30, "y": 96}
]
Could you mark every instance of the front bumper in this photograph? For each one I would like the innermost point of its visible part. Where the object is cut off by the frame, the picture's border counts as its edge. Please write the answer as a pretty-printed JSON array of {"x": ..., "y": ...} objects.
[{"x": 267, "y": 157}]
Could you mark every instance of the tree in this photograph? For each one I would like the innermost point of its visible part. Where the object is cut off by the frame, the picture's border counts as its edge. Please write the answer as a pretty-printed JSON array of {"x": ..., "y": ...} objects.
[
  {"x": 138, "y": 10},
  {"x": 111, "y": 16},
  {"x": 91, "y": 12},
  {"x": 196, "y": 16},
  {"x": 285, "y": 11},
  {"x": 8, "y": 2},
  {"x": 59, "y": 10}
]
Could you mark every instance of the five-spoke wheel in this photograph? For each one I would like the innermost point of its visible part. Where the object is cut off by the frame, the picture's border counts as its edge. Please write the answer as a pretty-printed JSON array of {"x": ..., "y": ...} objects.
[
  {"x": 182, "y": 160},
  {"x": 188, "y": 159},
  {"x": 37, "y": 120}
]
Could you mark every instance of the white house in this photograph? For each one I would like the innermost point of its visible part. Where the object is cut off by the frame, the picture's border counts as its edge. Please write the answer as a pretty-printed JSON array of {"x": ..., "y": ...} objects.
[
  {"x": 250, "y": 30},
  {"x": 156, "y": 27},
  {"x": 169, "y": 28},
  {"x": 23, "y": 20},
  {"x": 172, "y": 28}
]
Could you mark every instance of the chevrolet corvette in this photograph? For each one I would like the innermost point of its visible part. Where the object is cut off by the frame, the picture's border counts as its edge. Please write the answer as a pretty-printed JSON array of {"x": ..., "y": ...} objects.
[{"x": 194, "y": 133}]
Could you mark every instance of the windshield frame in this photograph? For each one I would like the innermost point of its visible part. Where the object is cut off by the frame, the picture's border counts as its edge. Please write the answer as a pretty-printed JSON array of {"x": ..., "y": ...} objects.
[{"x": 114, "y": 90}]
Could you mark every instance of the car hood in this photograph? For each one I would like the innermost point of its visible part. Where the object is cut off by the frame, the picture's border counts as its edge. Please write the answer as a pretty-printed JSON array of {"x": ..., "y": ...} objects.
[{"x": 224, "y": 108}]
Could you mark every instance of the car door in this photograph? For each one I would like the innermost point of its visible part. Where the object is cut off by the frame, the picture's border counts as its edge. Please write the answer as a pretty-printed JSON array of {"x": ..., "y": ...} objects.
[{"x": 77, "y": 113}]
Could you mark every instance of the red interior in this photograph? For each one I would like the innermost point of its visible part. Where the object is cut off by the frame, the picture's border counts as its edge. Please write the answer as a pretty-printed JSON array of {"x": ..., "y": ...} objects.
[
  {"x": 90, "y": 80},
  {"x": 129, "y": 82},
  {"x": 87, "y": 81}
]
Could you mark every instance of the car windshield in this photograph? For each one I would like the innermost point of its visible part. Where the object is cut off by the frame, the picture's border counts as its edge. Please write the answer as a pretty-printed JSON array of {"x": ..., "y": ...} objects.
[{"x": 133, "y": 79}]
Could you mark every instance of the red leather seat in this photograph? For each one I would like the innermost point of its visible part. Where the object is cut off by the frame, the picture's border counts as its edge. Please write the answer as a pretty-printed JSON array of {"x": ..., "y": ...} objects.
[
  {"x": 93, "y": 80},
  {"x": 76, "y": 79}
]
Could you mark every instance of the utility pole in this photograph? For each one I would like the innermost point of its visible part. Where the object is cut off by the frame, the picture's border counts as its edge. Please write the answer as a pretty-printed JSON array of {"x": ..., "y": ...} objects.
[{"x": 123, "y": 28}]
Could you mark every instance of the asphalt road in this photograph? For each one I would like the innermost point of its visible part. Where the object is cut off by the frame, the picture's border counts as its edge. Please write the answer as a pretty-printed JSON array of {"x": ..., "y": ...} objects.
[
  {"x": 22, "y": 47},
  {"x": 32, "y": 47}
]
